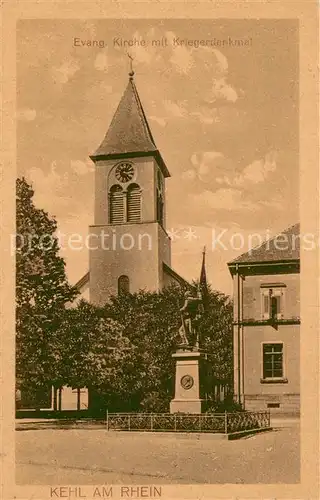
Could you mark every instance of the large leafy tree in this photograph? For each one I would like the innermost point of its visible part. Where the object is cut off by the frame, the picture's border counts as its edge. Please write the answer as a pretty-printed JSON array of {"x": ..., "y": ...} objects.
[
  {"x": 93, "y": 351},
  {"x": 151, "y": 321},
  {"x": 42, "y": 290},
  {"x": 216, "y": 335},
  {"x": 40, "y": 271}
]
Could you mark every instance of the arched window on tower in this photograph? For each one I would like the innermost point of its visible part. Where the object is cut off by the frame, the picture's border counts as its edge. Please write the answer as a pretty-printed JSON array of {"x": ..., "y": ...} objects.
[
  {"x": 116, "y": 205},
  {"x": 134, "y": 203},
  {"x": 123, "y": 284}
]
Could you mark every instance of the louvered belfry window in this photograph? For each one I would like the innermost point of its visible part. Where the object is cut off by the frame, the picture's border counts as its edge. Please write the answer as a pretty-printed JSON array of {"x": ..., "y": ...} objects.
[
  {"x": 116, "y": 205},
  {"x": 134, "y": 203}
]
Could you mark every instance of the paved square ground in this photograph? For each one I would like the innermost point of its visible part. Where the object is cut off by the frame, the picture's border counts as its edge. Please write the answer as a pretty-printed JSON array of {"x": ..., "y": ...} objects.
[{"x": 94, "y": 456}]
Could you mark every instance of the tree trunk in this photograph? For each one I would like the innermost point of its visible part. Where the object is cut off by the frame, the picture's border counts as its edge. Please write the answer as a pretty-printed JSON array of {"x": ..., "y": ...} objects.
[
  {"x": 60, "y": 399},
  {"x": 55, "y": 391},
  {"x": 78, "y": 398}
]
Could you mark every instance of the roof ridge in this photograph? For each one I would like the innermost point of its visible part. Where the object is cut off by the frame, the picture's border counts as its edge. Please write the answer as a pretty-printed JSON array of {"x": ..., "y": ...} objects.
[
  {"x": 289, "y": 228},
  {"x": 82, "y": 281},
  {"x": 273, "y": 253},
  {"x": 284, "y": 231},
  {"x": 115, "y": 113},
  {"x": 129, "y": 131},
  {"x": 144, "y": 118}
]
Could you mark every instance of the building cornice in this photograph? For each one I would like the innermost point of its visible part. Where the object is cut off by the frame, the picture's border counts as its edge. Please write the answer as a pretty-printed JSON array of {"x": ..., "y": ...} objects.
[
  {"x": 253, "y": 267},
  {"x": 268, "y": 322},
  {"x": 135, "y": 154}
]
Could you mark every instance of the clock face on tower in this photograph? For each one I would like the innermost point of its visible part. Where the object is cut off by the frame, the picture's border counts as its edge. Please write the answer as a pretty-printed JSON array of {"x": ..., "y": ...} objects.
[{"x": 124, "y": 172}]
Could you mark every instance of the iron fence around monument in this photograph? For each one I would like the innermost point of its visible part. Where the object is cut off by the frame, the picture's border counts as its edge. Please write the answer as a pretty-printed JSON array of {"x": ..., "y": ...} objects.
[{"x": 222, "y": 423}]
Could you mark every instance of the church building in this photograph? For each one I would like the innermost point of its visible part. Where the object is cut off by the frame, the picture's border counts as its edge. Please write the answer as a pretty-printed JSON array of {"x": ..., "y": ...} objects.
[
  {"x": 267, "y": 325},
  {"x": 129, "y": 247}
]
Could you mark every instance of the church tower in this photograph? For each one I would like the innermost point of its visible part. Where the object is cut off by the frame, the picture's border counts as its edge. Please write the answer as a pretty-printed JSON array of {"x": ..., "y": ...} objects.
[{"x": 129, "y": 247}]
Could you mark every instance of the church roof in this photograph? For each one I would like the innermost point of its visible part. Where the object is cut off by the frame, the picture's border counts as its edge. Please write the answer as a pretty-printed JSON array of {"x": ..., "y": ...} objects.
[
  {"x": 129, "y": 133},
  {"x": 168, "y": 270},
  {"x": 283, "y": 247},
  {"x": 83, "y": 281},
  {"x": 82, "y": 284}
]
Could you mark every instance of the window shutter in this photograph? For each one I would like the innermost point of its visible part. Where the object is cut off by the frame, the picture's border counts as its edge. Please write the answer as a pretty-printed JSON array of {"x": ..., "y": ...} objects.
[
  {"x": 265, "y": 304},
  {"x": 116, "y": 205},
  {"x": 280, "y": 300},
  {"x": 134, "y": 203},
  {"x": 279, "y": 307},
  {"x": 248, "y": 303},
  {"x": 278, "y": 294}
]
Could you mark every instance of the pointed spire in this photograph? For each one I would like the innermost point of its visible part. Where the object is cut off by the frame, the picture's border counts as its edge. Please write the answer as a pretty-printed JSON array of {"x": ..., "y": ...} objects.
[
  {"x": 129, "y": 133},
  {"x": 203, "y": 279},
  {"x": 203, "y": 275}
]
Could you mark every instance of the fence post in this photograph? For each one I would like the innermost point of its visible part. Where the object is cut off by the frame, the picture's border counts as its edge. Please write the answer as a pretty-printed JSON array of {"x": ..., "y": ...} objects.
[
  {"x": 200, "y": 423},
  {"x": 107, "y": 420},
  {"x": 269, "y": 418},
  {"x": 175, "y": 422},
  {"x": 151, "y": 422},
  {"x": 129, "y": 422},
  {"x": 225, "y": 422}
]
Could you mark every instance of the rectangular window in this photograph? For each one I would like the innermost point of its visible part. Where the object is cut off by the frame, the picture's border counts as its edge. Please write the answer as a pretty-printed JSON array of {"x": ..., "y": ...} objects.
[
  {"x": 272, "y": 303},
  {"x": 273, "y": 360}
]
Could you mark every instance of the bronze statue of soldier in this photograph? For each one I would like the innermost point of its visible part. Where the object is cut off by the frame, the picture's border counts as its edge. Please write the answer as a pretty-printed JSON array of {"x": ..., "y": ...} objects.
[{"x": 190, "y": 314}]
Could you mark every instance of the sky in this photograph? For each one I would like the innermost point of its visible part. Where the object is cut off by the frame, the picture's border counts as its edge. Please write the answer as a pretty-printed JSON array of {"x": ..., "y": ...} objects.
[{"x": 224, "y": 117}]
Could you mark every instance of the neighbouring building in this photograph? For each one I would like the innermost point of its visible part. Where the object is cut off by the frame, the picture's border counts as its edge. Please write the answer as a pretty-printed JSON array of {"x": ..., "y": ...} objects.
[{"x": 267, "y": 325}]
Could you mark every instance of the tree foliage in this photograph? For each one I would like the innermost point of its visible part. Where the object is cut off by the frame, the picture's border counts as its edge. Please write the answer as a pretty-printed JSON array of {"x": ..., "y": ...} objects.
[
  {"x": 216, "y": 335},
  {"x": 42, "y": 290},
  {"x": 138, "y": 375},
  {"x": 151, "y": 322},
  {"x": 40, "y": 271},
  {"x": 93, "y": 348}
]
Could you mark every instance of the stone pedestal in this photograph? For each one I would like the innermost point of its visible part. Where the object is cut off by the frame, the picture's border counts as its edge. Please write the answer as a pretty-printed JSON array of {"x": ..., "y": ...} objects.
[{"x": 190, "y": 380}]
